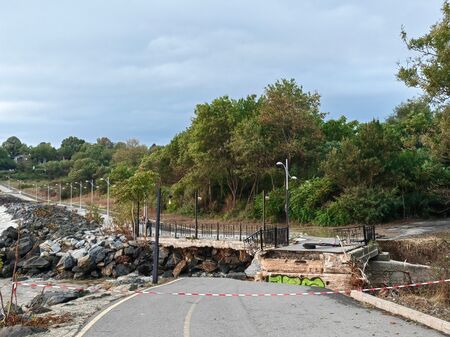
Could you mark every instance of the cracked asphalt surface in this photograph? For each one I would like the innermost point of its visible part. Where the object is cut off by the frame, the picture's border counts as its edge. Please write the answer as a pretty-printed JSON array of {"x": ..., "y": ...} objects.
[{"x": 325, "y": 315}]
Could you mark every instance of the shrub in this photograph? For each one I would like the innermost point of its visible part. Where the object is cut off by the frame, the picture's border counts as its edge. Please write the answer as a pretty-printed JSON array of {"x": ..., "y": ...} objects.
[
  {"x": 274, "y": 205},
  {"x": 360, "y": 205},
  {"x": 306, "y": 199}
]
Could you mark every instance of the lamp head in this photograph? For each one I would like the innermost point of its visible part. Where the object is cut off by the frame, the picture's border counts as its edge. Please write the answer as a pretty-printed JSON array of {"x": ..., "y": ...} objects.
[
  {"x": 294, "y": 178},
  {"x": 279, "y": 163}
]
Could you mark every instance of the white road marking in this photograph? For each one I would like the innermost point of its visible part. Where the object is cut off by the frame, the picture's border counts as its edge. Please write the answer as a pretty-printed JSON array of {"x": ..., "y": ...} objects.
[
  {"x": 88, "y": 326},
  {"x": 187, "y": 320}
]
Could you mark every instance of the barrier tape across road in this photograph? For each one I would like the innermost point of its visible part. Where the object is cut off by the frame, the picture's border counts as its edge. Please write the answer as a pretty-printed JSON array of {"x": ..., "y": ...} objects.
[{"x": 309, "y": 293}]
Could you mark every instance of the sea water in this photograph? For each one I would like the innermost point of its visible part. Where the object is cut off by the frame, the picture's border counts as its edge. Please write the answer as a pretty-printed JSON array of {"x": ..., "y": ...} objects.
[{"x": 5, "y": 219}]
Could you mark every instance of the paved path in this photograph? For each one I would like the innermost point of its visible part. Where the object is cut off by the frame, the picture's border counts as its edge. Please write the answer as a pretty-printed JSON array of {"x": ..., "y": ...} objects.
[
  {"x": 27, "y": 197},
  {"x": 416, "y": 228},
  {"x": 168, "y": 315}
]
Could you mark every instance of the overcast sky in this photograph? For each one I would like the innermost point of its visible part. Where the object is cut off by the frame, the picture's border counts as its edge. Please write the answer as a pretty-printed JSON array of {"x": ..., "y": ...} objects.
[{"x": 136, "y": 69}]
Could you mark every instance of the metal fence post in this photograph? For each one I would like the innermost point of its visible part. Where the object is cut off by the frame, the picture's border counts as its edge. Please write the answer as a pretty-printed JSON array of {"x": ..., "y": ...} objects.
[
  {"x": 240, "y": 231},
  {"x": 217, "y": 231},
  {"x": 261, "y": 238},
  {"x": 176, "y": 227},
  {"x": 276, "y": 237}
]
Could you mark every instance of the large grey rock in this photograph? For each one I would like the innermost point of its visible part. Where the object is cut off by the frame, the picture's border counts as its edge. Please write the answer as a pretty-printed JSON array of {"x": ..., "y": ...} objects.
[
  {"x": 79, "y": 244},
  {"x": 78, "y": 253},
  {"x": 50, "y": 247},
  {"x": 108, "y": 269},
  {"x": 145, "y": 269},
  {"x": 36, "y": 262},
  {"x": 97, "y": 253},
  {"x": 237, "y": 275},
  {"x": 50, "y": 298},
  {"x": 121, "y": 270},
  {"x": 67, "y": 262},
  {"x": 163, "y": 255},
  {"x": 255, "y": 266},
  {"x": 129, "y": 251},
  {"x": 10, "y": 233},
  {"x": 208, "y": 266},
  {"x": 19, "y": 331},
  {"x": 25, "y": 245},
  {"x": 116, "y": 245},
  {"x": 85, "y": 264}
]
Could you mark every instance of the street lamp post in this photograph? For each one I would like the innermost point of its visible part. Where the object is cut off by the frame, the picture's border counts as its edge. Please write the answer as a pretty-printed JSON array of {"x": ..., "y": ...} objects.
[
  {"x": 107, "y": 197},
  {"x": 265, "y": 198},
  {"x": 60, "y": 193},
  {"x": 48, "y": 194},
  {"x": 35, "y": 192},
  {"x": 286, "y": 184},
  {"x": 92, "y": 190},
  {"x": 71, "y": 194},
  {"x": 20, "y": 186},
  {"x": 81, "y": 191},
  {"x": 197, "y": 198}
]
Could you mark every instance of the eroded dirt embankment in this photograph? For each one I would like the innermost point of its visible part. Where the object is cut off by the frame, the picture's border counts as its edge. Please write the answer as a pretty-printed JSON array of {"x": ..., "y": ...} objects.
[{"x": 432, "y": 251}]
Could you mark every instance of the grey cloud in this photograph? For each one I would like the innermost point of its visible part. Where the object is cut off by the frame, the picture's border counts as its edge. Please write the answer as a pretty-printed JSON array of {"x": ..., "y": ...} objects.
[{"x": 137, "y": 68}]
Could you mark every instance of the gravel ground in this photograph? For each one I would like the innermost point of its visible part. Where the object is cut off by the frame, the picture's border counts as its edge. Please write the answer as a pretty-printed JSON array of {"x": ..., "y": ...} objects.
[{"x": 80, "y": 310}]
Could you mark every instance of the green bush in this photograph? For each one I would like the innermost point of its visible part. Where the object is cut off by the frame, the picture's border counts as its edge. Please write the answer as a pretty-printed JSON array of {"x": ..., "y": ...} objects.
[
  {"x": 360, "y": 205},
  {"x": 306, "y": 199},
  {"x": 274, "y": 205}
]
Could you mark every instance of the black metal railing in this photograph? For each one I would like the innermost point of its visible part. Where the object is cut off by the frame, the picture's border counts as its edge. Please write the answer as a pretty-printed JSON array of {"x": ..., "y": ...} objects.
[
  {"x": 270, "y": 237},
  {"x": 356, "y": 234},
  {"x": 212, "y": 231}
]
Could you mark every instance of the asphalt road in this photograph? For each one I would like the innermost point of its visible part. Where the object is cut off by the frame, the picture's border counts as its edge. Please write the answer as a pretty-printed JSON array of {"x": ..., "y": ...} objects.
[{"x": 168, "y": 315}]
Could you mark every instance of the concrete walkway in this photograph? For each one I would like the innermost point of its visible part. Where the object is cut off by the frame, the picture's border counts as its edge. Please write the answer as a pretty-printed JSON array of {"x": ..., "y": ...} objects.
[{"x": 169, "y": 315}]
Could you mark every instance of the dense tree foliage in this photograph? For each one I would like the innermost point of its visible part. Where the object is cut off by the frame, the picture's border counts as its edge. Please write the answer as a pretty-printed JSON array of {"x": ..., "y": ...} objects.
[{"x": 429, "y": 69}]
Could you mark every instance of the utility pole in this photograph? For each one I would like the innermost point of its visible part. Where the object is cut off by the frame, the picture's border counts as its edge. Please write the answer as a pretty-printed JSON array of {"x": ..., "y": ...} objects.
[
  {"x": 264, "y": 211},
  {"x": 156, "y": 242},
  {"x": 286, "y": 184},
  {"x": 92, "y": 190},
  {"x": 106, "y": 180},
  {"x": 81, "y": 191},
  {"x": 196, "y": 213},
  {"x": 71, "y": 195}
]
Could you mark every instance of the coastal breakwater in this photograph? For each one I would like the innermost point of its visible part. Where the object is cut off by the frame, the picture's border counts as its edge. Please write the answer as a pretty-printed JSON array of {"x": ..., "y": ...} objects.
[{"x": 54, "y": 242}]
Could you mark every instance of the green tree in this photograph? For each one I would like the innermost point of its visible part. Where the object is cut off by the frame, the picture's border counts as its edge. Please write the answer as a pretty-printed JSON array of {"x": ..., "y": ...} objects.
[
  {"x": 291, "y": 122},
  {"x": 105, "y": 142},
  {"x": 363, "y": 160},
  {"x": 13, "y": 146},
  {"x": 430, "y": 69},
  {"x": 56, "y": 169},
  {"x": 43, "y": 153},
  {"x": 411, "y": 121},
  {"x": 131, "y": 154},
  {"x": 69, "y": 146},
  {"x": 83, "y": 169},
  {"x": 134, "y": 191},
  {"x": 438, "y": 136},
  {"x": 211, "y": 134},
  {"x": 6, "y": 162},
  {"x": 120, "y": 173}
]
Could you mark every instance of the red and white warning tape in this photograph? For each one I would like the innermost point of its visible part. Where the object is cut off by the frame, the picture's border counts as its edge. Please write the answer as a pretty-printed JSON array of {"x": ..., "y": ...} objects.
[
  {"x": 48, "y": 285},
  {"x": 309, "y": 293}
]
